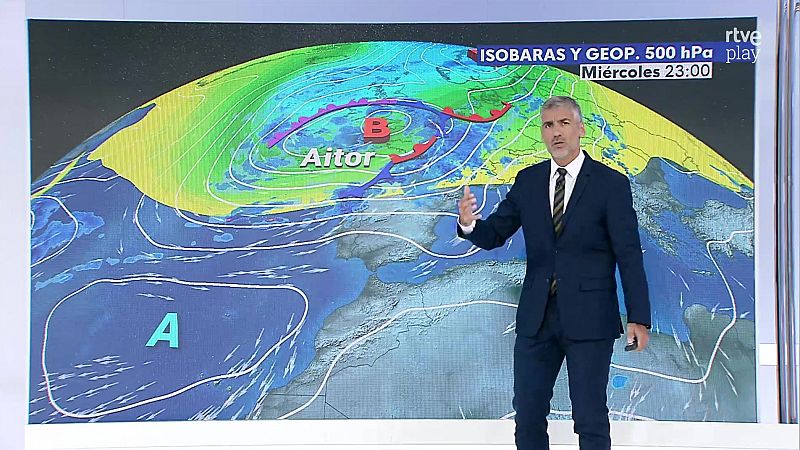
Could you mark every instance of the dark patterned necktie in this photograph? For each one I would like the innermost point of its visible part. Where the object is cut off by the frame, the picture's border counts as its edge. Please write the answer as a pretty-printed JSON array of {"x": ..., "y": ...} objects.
[
  {"x": 558, "y": 201},
  {"x": 558, "y": 214}
]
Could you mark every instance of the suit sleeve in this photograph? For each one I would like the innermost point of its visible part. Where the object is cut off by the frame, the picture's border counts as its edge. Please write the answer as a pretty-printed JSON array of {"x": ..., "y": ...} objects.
[
  {"x": 623, "y": 229},
  {"x": 499, "y": 226}
]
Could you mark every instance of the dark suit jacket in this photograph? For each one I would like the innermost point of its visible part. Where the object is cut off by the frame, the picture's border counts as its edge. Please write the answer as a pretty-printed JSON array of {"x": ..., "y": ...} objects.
[{"x": 600, "y": 233}]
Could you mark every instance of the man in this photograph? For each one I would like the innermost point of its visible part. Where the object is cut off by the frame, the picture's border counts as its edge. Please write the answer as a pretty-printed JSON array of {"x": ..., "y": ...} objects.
[{"x": 579, "y": 224}]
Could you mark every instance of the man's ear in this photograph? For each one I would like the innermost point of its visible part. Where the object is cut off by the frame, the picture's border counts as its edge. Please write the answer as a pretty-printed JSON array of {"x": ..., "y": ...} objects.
[{"x": 582, "y": 129}]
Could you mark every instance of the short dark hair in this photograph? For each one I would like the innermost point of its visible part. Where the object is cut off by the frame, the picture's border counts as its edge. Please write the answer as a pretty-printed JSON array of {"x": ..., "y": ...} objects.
[{"x": 563, "y": 100}]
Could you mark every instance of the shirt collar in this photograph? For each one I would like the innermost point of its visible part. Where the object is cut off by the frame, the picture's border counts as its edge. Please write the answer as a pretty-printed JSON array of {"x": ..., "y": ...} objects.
[{"x": 573, "y": 168}]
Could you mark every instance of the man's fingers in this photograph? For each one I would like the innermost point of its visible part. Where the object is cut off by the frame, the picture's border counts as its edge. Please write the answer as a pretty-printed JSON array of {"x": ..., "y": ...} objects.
[
  {"x": 467, "y": 206},
  {"x": 643, "y": 340},
  {"x": 640, "y": 333},
  {"x": 468, "y": 203}
]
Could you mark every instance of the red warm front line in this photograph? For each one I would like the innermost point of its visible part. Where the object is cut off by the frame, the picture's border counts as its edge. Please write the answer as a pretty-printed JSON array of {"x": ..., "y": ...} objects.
[{"x": 419, "y": 149}]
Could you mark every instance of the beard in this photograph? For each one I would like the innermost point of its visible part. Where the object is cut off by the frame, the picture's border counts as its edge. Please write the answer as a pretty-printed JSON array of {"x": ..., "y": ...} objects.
[{"x": 562, "y": 152}]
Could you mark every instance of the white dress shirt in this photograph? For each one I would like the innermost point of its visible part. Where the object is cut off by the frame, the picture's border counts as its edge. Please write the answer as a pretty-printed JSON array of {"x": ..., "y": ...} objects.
[{"x": 573, "y": 169}]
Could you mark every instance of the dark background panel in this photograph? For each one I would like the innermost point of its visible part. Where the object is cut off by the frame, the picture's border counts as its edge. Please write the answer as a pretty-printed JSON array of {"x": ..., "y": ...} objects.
[{"x": 84, "y": 75}]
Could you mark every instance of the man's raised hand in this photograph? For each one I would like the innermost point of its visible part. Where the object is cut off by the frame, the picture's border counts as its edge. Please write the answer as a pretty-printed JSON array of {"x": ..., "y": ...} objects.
[{"x": 466, "y": 208}]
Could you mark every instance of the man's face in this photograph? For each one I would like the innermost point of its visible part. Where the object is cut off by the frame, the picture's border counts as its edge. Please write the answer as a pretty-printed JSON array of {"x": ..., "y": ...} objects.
[{"x": 562, "y": 133}]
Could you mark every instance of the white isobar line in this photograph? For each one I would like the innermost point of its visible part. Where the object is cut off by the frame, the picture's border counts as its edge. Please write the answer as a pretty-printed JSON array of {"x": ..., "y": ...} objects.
[
  {"x": 41, "y": 181},
  {"x": 267, "y": 226},
  {"x": 408, "y": 124},
  {"x": 532, "y": 89},
  {"x": 722, "y": 334},
  {"x": 304, "y": 173},
  {"x": 248, "y": 248},
  {"x": 179, "y": 213},
  {"x": 464, "y": 77},
  {"x": 379, "y": 329},
  {"x": 469, "y": 125},
  {"x": 334, "y": 201},
  {"x": 725, "y": 330},
  {"x": 164, "y": 130},
  {"x": 327, "y": 202},
  {"x": 74, "y": 233},
  {"x": 293, "y": 135},
  {"x": 473, "y": 251},
  {"x": 295, "y": 331},
  {"x": 698, "y": 173},
  {"x": 100, "y": 179},
  {"x": 223, "y": 115},
  {"x": 219, "y": 104},
  {"x": 605, "y": 122},
  {"x": 296, "y": 110},
  {"x": 471, "y": 68},
  {"x": 667, "y": 162},
  {"x": 350, "y": 199},
  {"x": 266, "y": 118},
  {"x": 470, "y": 252},
  {"x": 333, "y": 82},
  {"x": 555, "y": 83}
]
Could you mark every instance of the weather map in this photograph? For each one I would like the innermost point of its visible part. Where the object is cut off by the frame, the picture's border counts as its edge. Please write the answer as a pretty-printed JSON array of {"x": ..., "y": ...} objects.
[{"x": 277, "y": 240}]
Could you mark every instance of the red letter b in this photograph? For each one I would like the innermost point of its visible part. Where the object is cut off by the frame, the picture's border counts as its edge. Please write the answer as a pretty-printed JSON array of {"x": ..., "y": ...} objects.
[{"x": 376, "y": 130}]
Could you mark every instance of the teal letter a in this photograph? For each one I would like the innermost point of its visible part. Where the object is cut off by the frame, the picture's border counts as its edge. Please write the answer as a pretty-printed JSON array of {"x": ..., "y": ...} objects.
[{"x": 170, "y": 321}]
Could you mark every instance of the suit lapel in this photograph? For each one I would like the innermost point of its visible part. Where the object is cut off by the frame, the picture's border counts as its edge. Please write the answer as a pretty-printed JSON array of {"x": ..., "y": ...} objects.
[{"x": 577, "y": 191}]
